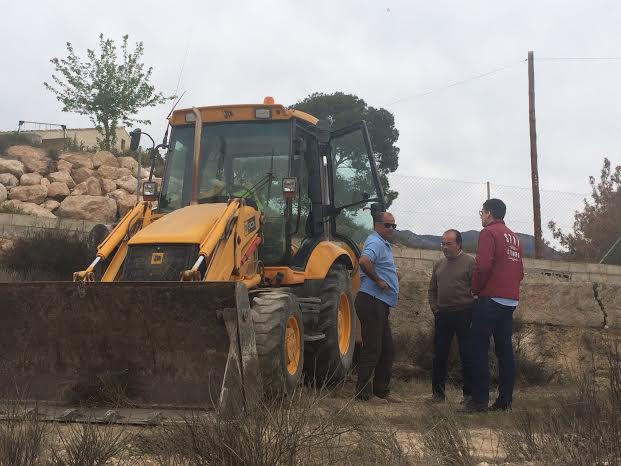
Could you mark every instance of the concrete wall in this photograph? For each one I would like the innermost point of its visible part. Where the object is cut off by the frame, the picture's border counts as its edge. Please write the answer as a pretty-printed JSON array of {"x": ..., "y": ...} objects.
[
  {"x": 563, "y": 294},
  {"x": 87, "y": 136},
  {"x": 17, "y": 226},
  {"x": 411, "y": 261}
]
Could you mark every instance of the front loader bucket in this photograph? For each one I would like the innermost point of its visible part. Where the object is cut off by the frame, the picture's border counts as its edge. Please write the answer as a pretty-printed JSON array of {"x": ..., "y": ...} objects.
[{"x": 128, "y": 343}]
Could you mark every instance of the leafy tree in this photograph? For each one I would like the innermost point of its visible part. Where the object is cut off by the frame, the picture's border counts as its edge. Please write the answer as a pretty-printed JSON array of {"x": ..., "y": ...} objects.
[
  {"x": 343, "y": 109},
  {"x": 598, "y": 226},
  {"x": 105, "y": 87}
]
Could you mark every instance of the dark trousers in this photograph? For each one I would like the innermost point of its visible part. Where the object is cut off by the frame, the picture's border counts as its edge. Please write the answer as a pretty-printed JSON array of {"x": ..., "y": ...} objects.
[
  {"x": 492, "y": 319},
  {"x": 448, "y": 324},
  {"x": 377, "y": 352}
]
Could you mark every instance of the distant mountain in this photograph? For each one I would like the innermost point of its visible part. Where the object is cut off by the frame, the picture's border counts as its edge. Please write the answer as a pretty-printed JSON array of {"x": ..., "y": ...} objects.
[{"x": 470, "y": 239}]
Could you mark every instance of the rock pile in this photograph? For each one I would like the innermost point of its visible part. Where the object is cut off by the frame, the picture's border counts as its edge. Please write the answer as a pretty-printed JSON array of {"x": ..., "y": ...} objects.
[{"x": 98, "y": 187}]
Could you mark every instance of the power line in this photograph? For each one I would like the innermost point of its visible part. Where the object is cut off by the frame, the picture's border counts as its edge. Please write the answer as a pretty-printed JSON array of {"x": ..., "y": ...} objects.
[
  {"x": 456, "y": 83},
  {"x": 576, "y": 58}
]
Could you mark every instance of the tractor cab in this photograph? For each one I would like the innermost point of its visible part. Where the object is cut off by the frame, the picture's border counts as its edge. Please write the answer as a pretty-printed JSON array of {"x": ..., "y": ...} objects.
[{"x": 311, "y": 184}]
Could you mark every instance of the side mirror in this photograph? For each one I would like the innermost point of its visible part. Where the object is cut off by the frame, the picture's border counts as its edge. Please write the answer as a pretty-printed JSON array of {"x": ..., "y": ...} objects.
[
  {"x": 135, "y": 139},
  {"x": 323, "y": 135}
]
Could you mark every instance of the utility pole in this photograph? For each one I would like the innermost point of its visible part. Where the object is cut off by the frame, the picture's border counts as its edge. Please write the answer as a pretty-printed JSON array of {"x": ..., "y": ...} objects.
[{"x": 533, "y": 158}]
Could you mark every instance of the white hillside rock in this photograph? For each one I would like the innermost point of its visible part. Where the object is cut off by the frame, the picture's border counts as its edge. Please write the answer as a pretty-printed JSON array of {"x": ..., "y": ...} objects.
[
  {"x": 9, "y": 180},
  {"x": 62, "y": 177},
  {"x": 30, "y": 179},
  {"x": 128, "y": 162},
  {"x": 35, "y": 194},
  {"x": 36, "y": 210},
  {"x": 96, "y": 209},
  {"x": 90, "y": 187},
  {"x": 104, "y": 158},
  {"x": 124, "y": 200},
  {"x": 107, "y": 186},
  {"x": 14, "y": 167},
  {"x": 64, "y": 166},
  {"x": 78, "y": 159},
  {"x": 57, "y": 190},
  {"x": 35, "y": 159},
  {"x": 128, "y": 183},
  {"x": 112, "y": 173},
  {"x": 81, "y": 174},
  {"x": 50, "y": 205}
]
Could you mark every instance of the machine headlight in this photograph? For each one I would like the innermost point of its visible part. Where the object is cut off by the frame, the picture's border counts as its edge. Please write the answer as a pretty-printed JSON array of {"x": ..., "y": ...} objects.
[
  {"x": 289, "y": 187},
  {"x": 149, "y": 190}
]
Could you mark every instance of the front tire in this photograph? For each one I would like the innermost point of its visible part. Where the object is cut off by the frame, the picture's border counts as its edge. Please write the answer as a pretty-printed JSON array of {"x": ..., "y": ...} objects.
[
  {"x": 328, "y": 360},
  {"x": 279, "y": 333}
]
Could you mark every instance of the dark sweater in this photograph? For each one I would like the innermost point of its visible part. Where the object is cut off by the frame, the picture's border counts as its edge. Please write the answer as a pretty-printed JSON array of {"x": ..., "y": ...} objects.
[{"x": 451, "y": 279}]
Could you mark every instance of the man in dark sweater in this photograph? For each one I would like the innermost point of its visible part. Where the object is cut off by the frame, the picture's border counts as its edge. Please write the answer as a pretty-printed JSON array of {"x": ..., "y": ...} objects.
[
  {"x": 496, "y": 281},
  {"x": 451, "y": 301}
]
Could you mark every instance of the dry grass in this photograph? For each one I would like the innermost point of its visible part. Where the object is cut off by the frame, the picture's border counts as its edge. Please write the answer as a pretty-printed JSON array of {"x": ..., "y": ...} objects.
[
  {"x": 447, "y": 441},
  {"x": 414, "y": 352},
  {"x": 22, "y": 438},
  {"x": 46, "y": 255},
  {"x": 583, "y": 428},
  {"x": 293, "y": 430},
  {"x": 92, "y": 445}
]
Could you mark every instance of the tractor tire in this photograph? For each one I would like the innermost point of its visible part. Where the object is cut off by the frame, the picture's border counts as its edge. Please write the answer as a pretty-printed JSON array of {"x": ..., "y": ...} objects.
[
  {"x": 279, "y": 333},
  {"x": 329, "y": 360}
]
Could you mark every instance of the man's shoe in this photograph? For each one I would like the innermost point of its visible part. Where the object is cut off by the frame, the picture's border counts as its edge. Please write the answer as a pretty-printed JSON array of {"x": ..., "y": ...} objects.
[
  {"x": 393, "y": 399},
  {"x": 471, "y": 408},
  {"x": 437, "y": 398},
  {"x": 500, "y": 407},
  {"x": 374, "y": 400},
  {"x": 465, "y": 400}
]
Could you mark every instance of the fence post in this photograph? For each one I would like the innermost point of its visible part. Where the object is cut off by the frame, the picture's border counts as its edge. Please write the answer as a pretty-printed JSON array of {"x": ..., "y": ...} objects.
[{"x": 488, "y": 191}]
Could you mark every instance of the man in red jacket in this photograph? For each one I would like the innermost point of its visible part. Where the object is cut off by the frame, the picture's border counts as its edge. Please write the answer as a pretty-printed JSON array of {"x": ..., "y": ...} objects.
[{"x": 496, "y": 281}]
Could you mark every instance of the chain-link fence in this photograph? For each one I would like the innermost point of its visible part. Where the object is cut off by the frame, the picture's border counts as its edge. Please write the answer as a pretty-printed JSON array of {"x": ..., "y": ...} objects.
[{"x": 429, "y": 206}]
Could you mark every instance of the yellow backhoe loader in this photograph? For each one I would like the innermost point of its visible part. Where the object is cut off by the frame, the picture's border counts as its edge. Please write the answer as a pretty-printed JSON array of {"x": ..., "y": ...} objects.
[{"x": 233, "y": 278}]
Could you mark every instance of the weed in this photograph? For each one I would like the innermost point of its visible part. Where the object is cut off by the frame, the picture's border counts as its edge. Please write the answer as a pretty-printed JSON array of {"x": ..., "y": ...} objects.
[
  {"x": 22, "y": 438},
  {"x": 447, "y": 441},
  {"x": 583, "y": 428},
  {"x": 290, "y": 430},
  {"x": 11, "y": 209},
  {"x": 46, "y": 255},
  {"x": 90, "y": 445}
]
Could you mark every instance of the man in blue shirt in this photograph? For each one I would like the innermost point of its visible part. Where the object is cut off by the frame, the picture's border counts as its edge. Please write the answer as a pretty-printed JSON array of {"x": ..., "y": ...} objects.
[{"x": 379, "y": 288}]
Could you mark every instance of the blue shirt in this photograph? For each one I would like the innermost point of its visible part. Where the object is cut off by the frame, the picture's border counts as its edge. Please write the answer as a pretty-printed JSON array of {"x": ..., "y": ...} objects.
[
  {"x": 378, "y": 250},
  {"x": 506, "y": 301}
]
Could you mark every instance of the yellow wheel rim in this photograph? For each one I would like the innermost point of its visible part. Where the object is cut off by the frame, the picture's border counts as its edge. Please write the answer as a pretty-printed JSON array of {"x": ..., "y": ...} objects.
[
  {"x": 293, "y": 345},
  {"x": 344, "y": 324}
]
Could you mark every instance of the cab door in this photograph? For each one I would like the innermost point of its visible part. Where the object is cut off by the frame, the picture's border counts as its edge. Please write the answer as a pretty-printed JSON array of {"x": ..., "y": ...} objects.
[{"x": 354, "y": 185}]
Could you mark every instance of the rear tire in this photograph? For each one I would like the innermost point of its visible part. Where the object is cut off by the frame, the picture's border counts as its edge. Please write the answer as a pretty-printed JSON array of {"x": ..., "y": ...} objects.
[
  {"x": 279, "y": 333},
  {"x": 328, "y": 360}
]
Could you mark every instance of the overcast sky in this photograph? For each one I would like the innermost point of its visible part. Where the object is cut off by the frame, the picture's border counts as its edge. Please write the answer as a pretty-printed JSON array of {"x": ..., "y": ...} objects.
[{"x": 388, "y": 53}]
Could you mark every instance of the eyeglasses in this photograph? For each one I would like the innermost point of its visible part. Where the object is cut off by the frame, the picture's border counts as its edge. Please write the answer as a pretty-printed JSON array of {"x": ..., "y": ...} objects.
[
  {"x": 389, "y": 225},
  {"x": 481, "y": 212}
]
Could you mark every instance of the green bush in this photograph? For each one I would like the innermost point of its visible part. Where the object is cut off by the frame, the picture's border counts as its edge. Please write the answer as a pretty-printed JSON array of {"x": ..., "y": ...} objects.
[{"x": 53, "y": 154}]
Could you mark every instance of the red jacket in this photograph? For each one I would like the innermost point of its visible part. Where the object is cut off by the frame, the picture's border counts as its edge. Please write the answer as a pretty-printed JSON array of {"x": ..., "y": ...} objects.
[{"x": 498, "y": 270}]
